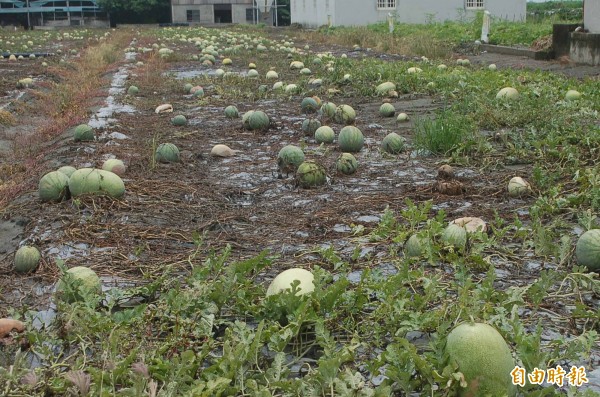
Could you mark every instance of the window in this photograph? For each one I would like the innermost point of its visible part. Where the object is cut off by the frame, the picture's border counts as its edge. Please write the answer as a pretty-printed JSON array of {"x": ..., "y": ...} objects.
[
  {"x": 386, "y": 4},
  {"x": 251, "y": 14},
  {"x": 193, "y": 15},
  {"x": 474, "y": 4}
]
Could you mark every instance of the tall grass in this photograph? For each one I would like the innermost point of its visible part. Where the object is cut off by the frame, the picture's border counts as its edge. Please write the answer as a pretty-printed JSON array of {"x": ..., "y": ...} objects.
[{"x": 444, "y": 134}]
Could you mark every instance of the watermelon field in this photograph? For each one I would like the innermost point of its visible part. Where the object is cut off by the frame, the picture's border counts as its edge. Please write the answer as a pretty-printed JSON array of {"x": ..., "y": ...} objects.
[{"x": 255, "y": 212}]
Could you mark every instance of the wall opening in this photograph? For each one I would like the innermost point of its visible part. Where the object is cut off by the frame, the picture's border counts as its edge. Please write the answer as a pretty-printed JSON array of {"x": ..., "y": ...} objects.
[{"x": 223, "y": 13}]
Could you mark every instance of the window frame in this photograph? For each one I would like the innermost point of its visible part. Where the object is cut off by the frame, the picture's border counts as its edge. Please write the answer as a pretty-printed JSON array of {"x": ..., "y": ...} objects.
[
  {"x": 189, "y": 14},
  {"x": 385, "y": 4},
  {"x": 474, "y": 4}
]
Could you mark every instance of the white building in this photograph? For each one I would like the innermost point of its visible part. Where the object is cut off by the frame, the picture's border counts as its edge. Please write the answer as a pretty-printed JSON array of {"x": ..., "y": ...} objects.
[
  {"x": 591, "y": 15},
  {"x": 314, "y": 13},
  {"x": 208, "y": 12}
]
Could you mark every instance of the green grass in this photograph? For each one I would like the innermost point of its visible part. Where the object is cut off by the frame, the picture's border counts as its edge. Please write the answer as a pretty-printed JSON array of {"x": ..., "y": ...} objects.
[{"x": 443, "y": 134}]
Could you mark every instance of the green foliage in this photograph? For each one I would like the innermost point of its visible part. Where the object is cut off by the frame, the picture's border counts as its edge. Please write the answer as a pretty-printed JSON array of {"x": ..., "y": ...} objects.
[{"x": 444, "y": 134}]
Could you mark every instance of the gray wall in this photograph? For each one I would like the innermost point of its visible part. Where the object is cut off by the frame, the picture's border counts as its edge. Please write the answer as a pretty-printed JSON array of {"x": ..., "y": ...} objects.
[
  {"x": 591, "y": 16},
  {"x": 313, "y": 13},
  {"x": 207, "y": 16}
]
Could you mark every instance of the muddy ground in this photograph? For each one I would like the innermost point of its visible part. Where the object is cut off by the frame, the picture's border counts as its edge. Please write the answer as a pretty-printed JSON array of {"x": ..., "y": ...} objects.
[{"x": 239, "y": 201}]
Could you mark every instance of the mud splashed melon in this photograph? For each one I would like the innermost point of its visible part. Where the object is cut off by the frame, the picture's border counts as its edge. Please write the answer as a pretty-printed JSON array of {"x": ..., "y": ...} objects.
[
  {"x": 54, "y": 186},
  {"x": 588, "y": 250},
  {"x": 77, "y": 283},
  {"x": 311, "y": 174},
  {"x": 310, "y": 126},
  {"x": 167, "y": 153},
  {"x": 289, "y": 159},
  {"x": 97, "y": 182},
  {"x": 285, "y": 279},
  {"x": 83, "y": 133},
  {"x": 351, "y": 139},
  {"x": 324, "y": 134},
  {"x": 346, "y": 164},
  {"x": 345, "y": 114},
  {"x": 27, "y": 259},
  {"x": 392, "y": 143},
  {"x": 484, "y": 358}
]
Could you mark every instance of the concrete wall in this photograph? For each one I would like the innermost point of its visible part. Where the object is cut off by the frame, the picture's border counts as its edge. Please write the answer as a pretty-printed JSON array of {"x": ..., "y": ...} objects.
[
  {"x": 591, "y": 15},
  {"x": 313, "y": 13},
  {"x": 585, "y": 48},
  {"x": 207, "y": 14}
]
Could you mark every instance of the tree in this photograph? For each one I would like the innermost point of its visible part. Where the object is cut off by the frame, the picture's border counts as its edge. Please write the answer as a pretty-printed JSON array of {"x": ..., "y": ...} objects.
[
  {"x": 137, "y": 11},
  {"x": 283, "y": 12}
]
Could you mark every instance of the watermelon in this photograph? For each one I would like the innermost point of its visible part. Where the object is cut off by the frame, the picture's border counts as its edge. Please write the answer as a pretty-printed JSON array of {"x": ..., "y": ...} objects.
[
  {"x": 310, "y": 126},
  {"x": 402, "y": 117},
  {"x": 572, "y": 95},
  {"x": 309, "y": 105},
  {"x": 231, "y": 112},
  {"x": 252, "y": 73},
  {"x": 27, "y": 259},
  {"x": 324, "y": 134},
  {"x": 83, "y": 132},
  {"x": 97, "y": 182},
  {"x": 455, "y": 235},
  {"x": 179, "y": 120},
  {"x": 344, "y": 114},
  {"x": 588, "y": 250},
  {"x": 484, "y": 358},
  {"x": 133, "y": 90},
  {"x": 284, "y": 281},
  {"x": 346, "y": 164},
  {"x": 385, "y": 88},
  {"x": 54, "y": 186},
  {"x": 167, "y": 153},
  {"x": 255, "y": 120},
  {"x": 115, "y": 166},
  {"x": 351, "y": 139},
  {"x": 518, "y": 186},
  {"x": 272, "y": 75},
  {"x": 415, "y": 246},
  {"x": 77, "y": 283},
  {"x": 197, "y": 91},
  {"x": 311, "y": 174},
  {"x": 392, "y": 143},
  {"x": 187, "y": 88},
  {"x": 67, "y": 170},
  {"x": 328, "y": 109},
  {"x": 387, "y": 110},
  {"x": 507, "y": 93},
  {"x": 289, "y": 159}
]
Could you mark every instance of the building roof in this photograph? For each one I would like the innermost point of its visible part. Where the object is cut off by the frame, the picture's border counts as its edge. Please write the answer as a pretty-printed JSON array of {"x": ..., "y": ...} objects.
[{"x": 20, "y": 6}]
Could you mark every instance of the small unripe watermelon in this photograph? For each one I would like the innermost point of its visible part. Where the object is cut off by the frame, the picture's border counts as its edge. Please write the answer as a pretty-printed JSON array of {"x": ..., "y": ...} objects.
[
  {"x": 572, "y": 95},
  {"x": 115, "y": 166},
  {"x": 83, "y": 132},
  {"x": 346, "y": 164},
  {"x": 311, "y": 174},
  {"x": 455, "y": 235},
  {"x": 402, "y": 117},
  {"x": 392, "y": 143},
  {"x": 284, "y": 281},
  {"x": 289, "y": 158},
  {"x": 167, "y": 153},
  {"x": 324, "y": 134},
  {"x": 187, "y": 88},
  {"x": 588, "y": 250},
  {"x": 54, "y": 186},
  {"x": 77, "y": 282},
  {"x": 351, "y": 139},
  {"x": 179, "y": 120},
  {"x": 310, "y": 126},
  {"x": 27, "y": 259},
  {"x": 133, "y": 90},
  {"x": 387, "y": 110},
  {"x": 98, "y": 182},
  {"x": 415, "y": 246},
  {"x": 484, "y": 358},
  {"x": 231, "y": 112}
]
